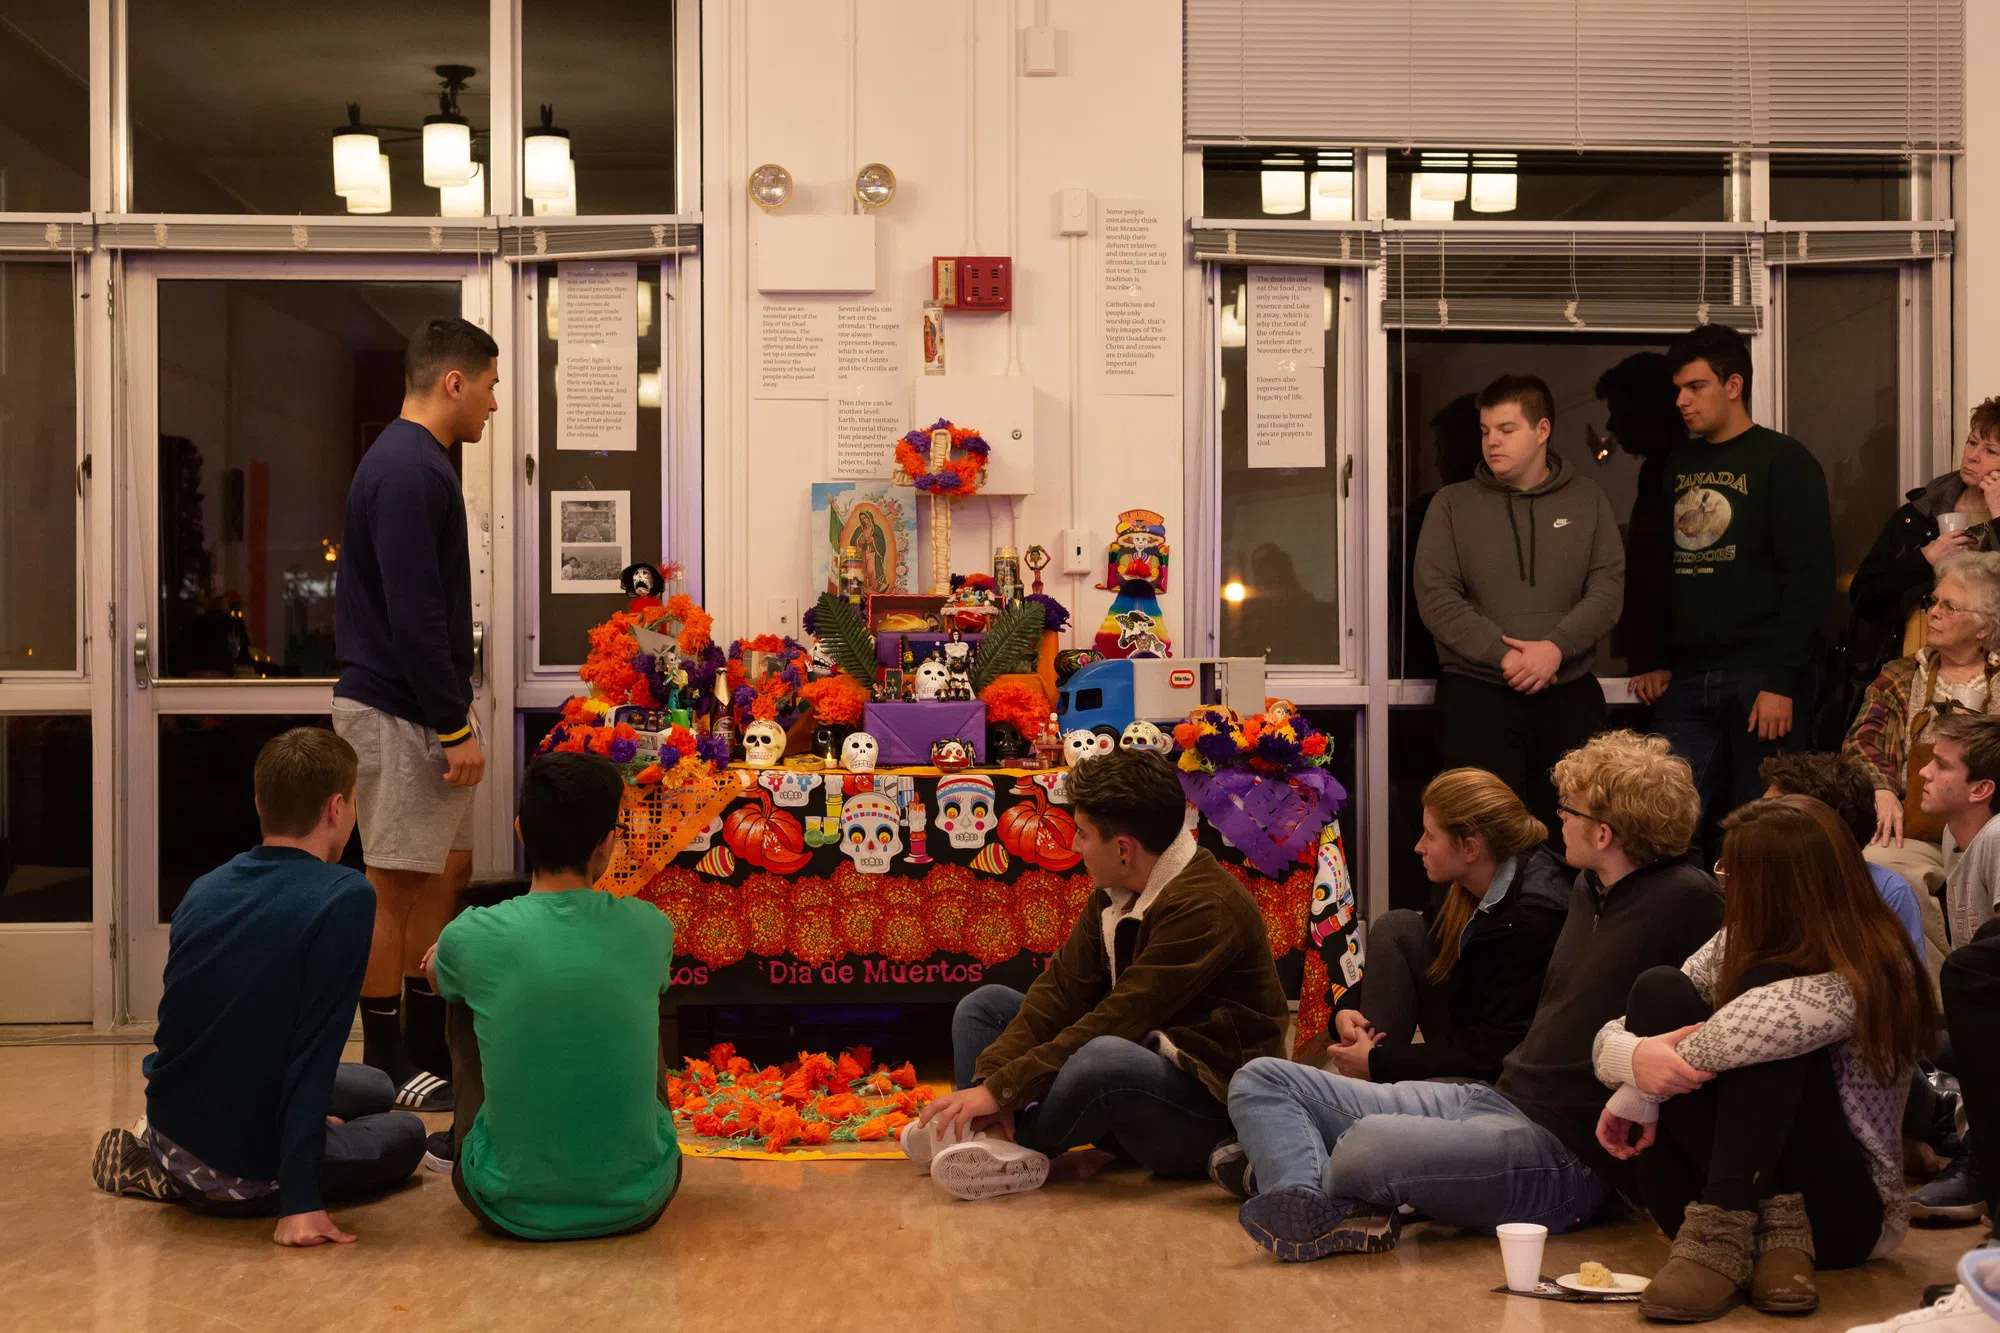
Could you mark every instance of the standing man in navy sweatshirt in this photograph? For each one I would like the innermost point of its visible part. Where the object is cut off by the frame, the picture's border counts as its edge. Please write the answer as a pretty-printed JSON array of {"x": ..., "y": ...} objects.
[
  {"x": 403, "y": 635},
  {"x": 1749, "y": 581},
  {"x": 249, "y": 1112}
]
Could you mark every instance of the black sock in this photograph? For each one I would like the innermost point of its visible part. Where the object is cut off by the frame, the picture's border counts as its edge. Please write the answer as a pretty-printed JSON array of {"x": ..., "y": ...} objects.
[
  {"x": 423, "y": 1027},
  {"x": 382, "y": 1037}
]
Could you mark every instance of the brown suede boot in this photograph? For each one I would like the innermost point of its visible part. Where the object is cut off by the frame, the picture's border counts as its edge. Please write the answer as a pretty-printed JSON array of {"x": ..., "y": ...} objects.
[
  {"x": 1782, "y": 1280},
  {"x": 1710, "y": 1266}
]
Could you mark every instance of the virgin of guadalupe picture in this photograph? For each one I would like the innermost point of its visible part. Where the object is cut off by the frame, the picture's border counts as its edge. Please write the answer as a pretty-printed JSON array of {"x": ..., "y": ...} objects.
[
  {"x": 877, "y": 520},
  {"x": 1136, "y": 568}
]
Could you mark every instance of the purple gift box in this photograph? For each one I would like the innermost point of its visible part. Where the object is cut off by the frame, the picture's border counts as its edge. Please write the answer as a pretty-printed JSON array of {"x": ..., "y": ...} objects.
[
  {"x": 905, "y": 731},
  {"x": 889, "y": 649}
]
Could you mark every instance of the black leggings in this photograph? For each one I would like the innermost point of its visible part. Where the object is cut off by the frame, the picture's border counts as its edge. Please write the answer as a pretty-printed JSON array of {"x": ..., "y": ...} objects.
[
  {"x": 1971, "y": 988},
  {"x": 1750, "y": 1133}
]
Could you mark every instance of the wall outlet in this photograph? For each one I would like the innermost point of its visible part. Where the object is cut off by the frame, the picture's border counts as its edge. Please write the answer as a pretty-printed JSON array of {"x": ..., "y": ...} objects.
[
  {"x": 782, "y": 614},
  {"x": 1038, "y": 51},
  {"x": 1079, "y": 553}
]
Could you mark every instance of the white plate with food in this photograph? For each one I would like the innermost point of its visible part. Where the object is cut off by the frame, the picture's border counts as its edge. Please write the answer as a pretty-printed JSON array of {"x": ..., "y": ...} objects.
[{"x": 1603, "y": 1282}]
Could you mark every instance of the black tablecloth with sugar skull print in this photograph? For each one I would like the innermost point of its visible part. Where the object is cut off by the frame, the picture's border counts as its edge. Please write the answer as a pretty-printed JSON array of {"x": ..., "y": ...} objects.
[{"x": 908, "y": 886}]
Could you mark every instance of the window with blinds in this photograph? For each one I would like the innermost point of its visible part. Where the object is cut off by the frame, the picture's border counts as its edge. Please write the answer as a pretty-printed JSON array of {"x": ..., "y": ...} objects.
[
  {"x": 1855, "y": 75},
  {"x": 1596, "y": 281}
]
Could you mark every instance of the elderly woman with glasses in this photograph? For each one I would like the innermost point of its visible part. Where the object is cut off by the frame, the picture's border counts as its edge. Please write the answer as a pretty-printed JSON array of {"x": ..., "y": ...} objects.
[{"x": 1891, "y": 737}]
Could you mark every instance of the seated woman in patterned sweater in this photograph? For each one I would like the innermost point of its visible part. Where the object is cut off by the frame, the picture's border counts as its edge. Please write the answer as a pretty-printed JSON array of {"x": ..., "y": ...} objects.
[{"x": 1761, "y": 1085}]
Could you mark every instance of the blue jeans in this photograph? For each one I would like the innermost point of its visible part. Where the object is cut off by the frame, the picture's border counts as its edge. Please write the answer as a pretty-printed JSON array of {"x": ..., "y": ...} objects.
[
  {"x": 1705, "y": 716},
  {"x": 1113, "y": 1093},
  {"x": 1458, "y": 1153}
]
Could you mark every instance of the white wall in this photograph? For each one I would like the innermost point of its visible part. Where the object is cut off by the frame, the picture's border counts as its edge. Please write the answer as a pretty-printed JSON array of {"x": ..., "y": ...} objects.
[{"x": 776, "y": 88}]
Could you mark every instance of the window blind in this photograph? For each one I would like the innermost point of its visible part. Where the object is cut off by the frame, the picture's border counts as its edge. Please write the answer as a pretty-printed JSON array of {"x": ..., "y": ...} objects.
[
  {"x": 1615, "y": 281},
  {"x": 1322, "y": 243},
  {"x": 1855, "y": 75},
  {"x": 1899, "y": 243}
]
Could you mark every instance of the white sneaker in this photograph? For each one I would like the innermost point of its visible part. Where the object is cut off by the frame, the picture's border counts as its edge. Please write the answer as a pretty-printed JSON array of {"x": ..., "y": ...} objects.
[
  {"x": 984, "y": 1167},
  {"x": 1956, "y": 1313},
  {"x": 920, "y": 1143}
]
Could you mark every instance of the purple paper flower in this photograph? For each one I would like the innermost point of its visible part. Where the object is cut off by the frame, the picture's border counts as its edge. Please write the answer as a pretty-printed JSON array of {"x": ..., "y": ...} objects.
[
  {"x": 642, "y": 663},
  {"x": 713, "y": 748},
  {"x": 975, "y": 445},
  {"x": 1055, "y": 616},
  {"x": 743, "y": 697},
  {"x": 1219, "y": 748},
  {"x": 669, "y": 756},
  {"x": 557, "y": 734},
  {"x": 623, "y": 750},
  {"x": 811, "y": 620},
  {"x": 1274, "y": 747}
]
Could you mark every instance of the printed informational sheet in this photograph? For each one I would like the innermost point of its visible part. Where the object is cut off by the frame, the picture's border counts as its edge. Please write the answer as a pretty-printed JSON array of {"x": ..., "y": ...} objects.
[
  {"x": 590, "y": 537},
  {"x": 1287, "y": 417},
  {"x": 791, "y": 347},
  {"x": 1138, "y": 296},
  {"x": 870, "y": 341},
  {"x": 868, "y": 417},
  {"x": 597, "y": 358},
  {"x": 1288, "y": 312}
]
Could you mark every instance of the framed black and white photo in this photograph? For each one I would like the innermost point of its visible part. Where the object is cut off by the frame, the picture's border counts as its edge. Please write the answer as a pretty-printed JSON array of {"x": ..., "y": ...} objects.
[{"x": 590, "y": 540}]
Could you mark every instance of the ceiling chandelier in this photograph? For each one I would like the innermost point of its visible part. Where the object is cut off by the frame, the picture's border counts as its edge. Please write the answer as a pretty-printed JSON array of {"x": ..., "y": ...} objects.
[{"x": 361, "y": 168}]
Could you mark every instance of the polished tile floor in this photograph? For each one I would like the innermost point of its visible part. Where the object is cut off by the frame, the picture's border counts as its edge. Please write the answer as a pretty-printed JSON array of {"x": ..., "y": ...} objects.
[{"x": 764, "y": 1246}]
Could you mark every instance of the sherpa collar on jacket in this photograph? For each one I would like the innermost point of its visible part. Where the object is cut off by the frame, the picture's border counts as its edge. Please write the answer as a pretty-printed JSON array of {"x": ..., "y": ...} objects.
[{"x": 1127, "y": 905}]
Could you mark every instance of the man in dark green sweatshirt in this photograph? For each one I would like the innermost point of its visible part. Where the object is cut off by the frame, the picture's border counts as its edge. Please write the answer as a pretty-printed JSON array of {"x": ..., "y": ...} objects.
[
  {"x": 1519, "y": 572},
  {"x": 1751, "y": 571}
]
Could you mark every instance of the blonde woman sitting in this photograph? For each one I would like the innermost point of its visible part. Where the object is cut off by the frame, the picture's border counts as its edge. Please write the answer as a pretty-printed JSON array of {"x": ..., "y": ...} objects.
[
  {"x": 1892, "y": 735},
  {"x": 1468, "y": 971}
]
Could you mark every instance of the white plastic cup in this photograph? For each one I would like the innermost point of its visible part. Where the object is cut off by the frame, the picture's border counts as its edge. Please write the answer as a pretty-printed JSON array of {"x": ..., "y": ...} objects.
[
  {"x": 1953, "y": 521},
  {"x": 1521, "y": 1253}
]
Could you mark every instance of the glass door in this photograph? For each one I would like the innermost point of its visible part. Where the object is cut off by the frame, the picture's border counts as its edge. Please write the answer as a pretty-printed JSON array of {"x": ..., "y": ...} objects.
[{"x": 253, "y": 387}]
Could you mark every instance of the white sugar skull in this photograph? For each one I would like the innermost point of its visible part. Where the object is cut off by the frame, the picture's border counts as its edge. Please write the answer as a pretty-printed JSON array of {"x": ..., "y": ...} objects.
[
  {"x": 706, "y": 836},
  {"x": 763, "y": 744},
  {"x": 1333, "y": 889},
  {"x": 931, "y": 676},
  {"x": 967, "y": 811},
  {"x": 1143, "y": 735},
  {"x": 789, "y": 786},
  {"x": 858, "y": 753},
  {"x": 870, "y": 832},
  {"x": 1080, "y": 745},
  {"x": 1056, "y": 783}
]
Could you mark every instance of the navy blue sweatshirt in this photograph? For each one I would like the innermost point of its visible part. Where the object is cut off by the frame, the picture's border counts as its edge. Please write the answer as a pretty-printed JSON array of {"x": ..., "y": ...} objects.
[
  {"x": 264, "y": 964},
  {"x": 402, "y": 605}
]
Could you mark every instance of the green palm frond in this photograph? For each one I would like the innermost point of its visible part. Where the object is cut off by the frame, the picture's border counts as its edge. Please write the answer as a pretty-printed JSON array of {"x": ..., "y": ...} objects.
[
  {"x": 1010, "y": 645},
  {"x": 838, "y": 626}
]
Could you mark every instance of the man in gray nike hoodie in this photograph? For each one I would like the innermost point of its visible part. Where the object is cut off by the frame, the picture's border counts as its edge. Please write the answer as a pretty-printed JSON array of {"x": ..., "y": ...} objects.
[{"x": 1519, "y": 573}]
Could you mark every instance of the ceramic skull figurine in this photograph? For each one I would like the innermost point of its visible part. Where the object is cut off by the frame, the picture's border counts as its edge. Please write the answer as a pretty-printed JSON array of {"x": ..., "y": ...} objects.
[
  {"x": 870, "y": 831},
  {"x": 858, "y": 753},
  {"x": 763, "y": 744},
  {"x": 931, "y": 676},
  {"x": 1080, "y": 745},
  {"x": 966, "y": 810},
  {"x": 1143, "y": 735}
]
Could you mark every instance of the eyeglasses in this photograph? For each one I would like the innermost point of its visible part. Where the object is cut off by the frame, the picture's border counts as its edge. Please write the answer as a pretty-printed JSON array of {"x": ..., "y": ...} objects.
[
  {"x": 1578, "y": 814},
  {"x": 1931, "y": 599}
]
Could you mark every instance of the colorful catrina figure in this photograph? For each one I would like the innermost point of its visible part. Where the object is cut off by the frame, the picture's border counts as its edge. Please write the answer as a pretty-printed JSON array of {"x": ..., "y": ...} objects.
[{"x": 1136, "y": 568}]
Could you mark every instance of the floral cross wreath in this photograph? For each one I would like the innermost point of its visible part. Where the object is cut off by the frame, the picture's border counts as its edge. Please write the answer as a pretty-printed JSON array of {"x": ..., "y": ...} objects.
[{"x": 944, "y": 476}]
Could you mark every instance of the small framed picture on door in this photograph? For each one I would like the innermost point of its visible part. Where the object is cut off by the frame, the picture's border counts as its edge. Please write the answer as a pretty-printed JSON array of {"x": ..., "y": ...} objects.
[{"x": 590, "y": 540}]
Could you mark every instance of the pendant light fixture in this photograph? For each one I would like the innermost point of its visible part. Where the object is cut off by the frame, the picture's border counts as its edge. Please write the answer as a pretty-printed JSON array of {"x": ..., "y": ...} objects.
[
  {"x": 1495, "y": 184},
  {"x": 355, "y": 148},
  {"x": 546, "y": 169},
  {"x": 1282, "y": 192},
  {"x": 374, "y": 199},
  {"x": 1424, "y": 209},
  {"x": 448, "y": 135},
  {"x": 563, "y": 205},
  {"x": 1442, "y": 179},
  {"x": 467, "y": 200}
]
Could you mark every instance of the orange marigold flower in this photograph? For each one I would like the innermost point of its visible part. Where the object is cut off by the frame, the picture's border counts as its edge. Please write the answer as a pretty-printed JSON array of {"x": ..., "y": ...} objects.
[
  {"x": 904, "y": 1075},
  {"x": 862, "y": 1055},
  {"x": 877, "y": 1128},
  {"x": 703, "y": 1073},
  {"x": 721, "y": 1053},
  {"x": 676, "y": 1093},
  {"x": 846, "y": 1070},
  {"x": 816, "y": 1132}
]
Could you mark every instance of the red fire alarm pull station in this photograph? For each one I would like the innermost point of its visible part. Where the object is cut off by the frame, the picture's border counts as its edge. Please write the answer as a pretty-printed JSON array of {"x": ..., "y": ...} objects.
[{"x": 973, "y": 282}]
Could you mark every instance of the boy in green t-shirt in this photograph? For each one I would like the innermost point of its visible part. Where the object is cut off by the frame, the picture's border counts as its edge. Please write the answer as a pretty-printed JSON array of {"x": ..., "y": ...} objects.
[{"x": 566, "y": 1133}]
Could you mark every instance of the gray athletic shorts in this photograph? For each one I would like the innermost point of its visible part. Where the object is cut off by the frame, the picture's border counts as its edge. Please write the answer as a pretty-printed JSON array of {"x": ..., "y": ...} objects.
[{"x": 410, "y": 818}]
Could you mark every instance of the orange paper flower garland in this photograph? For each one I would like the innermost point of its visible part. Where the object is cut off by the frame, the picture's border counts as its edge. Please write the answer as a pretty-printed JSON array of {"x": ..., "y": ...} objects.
[{"x": 816, "y": 1101}]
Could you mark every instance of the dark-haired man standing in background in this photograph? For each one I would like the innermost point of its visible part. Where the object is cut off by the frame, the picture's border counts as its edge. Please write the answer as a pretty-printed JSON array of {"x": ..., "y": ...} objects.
[
  {"x": 1519, "y": 572},
  {"x": 403, "y": 635},
  {"x": 1752, "y": 569}
]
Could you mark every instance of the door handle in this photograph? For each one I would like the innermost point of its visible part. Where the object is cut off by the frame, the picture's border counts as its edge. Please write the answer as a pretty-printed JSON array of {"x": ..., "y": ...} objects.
[
  {"x": 142, "y": 657},
  {"x": 478, "y": 654}
]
